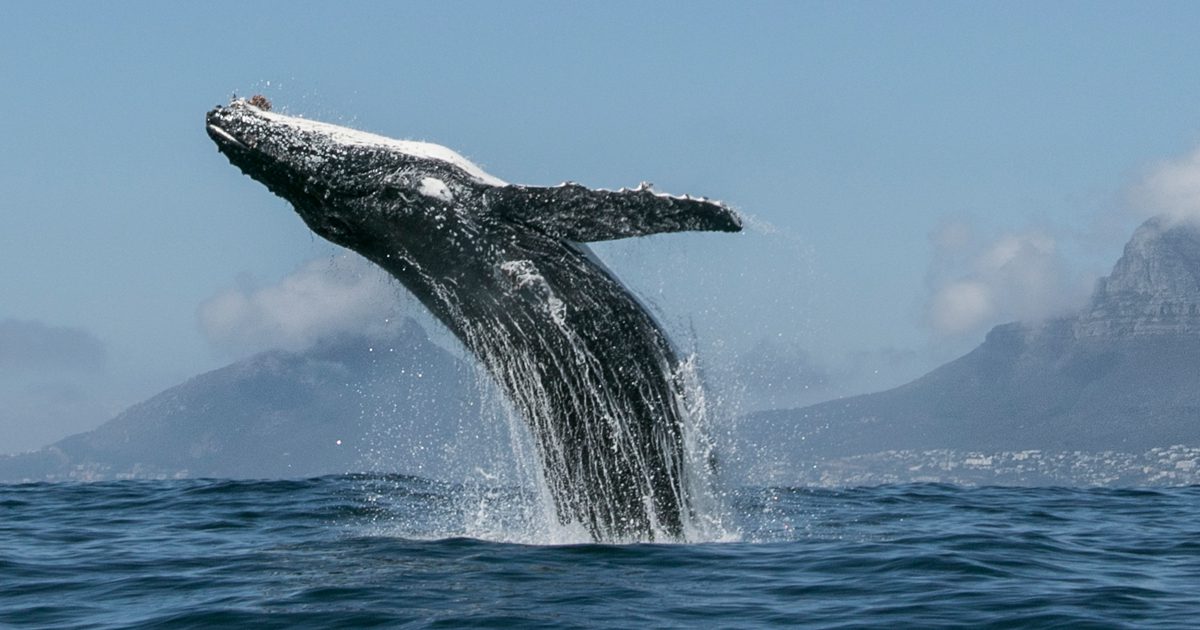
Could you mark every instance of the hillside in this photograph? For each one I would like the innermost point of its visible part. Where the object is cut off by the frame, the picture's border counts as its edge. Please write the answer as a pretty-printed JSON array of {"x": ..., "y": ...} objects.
[
  {"x": 1123, "y": 375},
  {"x": 351, "y": 404}
]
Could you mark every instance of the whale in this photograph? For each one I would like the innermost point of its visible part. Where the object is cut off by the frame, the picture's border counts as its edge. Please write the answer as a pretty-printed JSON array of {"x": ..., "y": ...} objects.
[{"x": 507, "y": 269}]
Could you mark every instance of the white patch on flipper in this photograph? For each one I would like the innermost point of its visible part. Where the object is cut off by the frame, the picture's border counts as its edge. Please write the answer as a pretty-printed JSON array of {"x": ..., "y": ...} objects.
[
  {"x": 436, "y": 188},
  {"x": 354, "y": 137}
]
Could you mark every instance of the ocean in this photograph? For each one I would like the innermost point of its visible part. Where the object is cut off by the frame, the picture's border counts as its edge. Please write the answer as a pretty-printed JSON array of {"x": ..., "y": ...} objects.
[{"x": 389, "y": 551}]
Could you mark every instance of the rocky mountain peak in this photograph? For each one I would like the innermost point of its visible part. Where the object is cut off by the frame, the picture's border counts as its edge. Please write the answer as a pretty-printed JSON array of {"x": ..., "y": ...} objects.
[{"x": 1153, "y": 289}]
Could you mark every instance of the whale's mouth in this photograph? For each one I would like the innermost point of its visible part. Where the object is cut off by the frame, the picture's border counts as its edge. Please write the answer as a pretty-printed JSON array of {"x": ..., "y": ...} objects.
[{"x": 224, "y": 138}]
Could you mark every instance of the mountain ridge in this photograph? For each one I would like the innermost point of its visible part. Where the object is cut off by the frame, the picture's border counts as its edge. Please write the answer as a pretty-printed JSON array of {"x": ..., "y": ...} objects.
[
  {"x": 348, "y": 404},
  {"x": 1154, "y": 287},
  {"x": 1121, "y": 375}
]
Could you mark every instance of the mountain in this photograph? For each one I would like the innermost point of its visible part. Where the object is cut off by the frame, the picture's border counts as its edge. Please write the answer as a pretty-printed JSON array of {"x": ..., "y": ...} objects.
[
  {"x": 1121, "y": 376},
  {"x": 1105, "y": 396},
  {"x": 1154, "y": 290},
  {"x": 350, "y": 404}
]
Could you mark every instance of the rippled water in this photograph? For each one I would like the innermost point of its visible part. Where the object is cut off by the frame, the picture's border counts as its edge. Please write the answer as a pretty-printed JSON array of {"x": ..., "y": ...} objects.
[{"x": 361, "y": 551}]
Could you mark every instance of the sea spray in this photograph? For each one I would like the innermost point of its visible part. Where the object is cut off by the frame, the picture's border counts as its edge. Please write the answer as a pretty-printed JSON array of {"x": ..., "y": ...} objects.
[{"x": 506, "y": 493}]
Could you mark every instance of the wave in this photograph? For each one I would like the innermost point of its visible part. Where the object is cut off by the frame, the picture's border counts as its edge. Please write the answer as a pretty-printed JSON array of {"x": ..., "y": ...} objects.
[{"x": 392, "y": 549}]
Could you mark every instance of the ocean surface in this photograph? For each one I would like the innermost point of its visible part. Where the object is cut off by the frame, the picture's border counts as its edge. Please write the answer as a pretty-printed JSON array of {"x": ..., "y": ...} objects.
[{"x": 362, "y": 551}]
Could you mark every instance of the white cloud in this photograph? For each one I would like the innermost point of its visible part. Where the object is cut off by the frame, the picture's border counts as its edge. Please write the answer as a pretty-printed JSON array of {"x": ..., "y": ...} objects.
[
  {"x": 1017, "y": 276},
  {"x": 960, "y": 307},
  {"x": 1172, "y": 188},
  {"x": 324, "y": 297}
]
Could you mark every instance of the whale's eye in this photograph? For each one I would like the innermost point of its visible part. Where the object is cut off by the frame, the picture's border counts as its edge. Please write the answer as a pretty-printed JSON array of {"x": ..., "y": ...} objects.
[{"x": 261, "y": 102}]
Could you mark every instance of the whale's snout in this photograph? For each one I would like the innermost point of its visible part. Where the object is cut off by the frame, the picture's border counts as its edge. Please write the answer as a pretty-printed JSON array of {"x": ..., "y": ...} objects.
[{"x": 229, "y": 125}]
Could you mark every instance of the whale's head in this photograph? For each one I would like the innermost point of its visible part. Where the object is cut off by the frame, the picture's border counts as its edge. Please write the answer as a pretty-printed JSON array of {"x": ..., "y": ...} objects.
[{"x": 349, "y": 186}]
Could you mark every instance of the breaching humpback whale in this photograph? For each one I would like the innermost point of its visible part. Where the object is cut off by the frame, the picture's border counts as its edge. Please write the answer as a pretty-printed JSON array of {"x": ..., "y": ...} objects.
[{"x": 505, "y": 267}]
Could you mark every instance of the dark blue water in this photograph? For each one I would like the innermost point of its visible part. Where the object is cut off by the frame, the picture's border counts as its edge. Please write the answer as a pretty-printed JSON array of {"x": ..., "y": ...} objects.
[{"x": 379, "y": 551}]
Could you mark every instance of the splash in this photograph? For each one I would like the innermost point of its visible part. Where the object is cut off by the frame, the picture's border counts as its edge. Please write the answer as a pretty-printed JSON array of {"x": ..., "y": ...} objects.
[
  {"x": 519, "y": 486},
  {"x": 581, "y": 449},
  {"x": 526, "y": 507}
]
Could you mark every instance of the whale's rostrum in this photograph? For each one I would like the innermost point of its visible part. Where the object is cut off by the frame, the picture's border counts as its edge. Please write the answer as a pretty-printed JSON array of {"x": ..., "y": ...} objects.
[{"x": 506, "y": 269}]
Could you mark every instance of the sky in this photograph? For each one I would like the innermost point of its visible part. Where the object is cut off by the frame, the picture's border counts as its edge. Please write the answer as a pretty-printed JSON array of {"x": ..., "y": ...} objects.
[{"x": 911, "y": 173}]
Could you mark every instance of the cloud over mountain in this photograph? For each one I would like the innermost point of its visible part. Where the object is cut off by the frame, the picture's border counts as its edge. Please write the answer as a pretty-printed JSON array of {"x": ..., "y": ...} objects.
[
  {"x": 323, "y": 297},
  {"x": 976, "y": 283},
  {"x": 1171, "y": 188}
]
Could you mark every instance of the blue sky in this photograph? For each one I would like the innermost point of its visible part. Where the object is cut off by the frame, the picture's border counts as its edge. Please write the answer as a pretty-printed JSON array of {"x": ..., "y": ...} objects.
[{"x": 883, "y": 152}]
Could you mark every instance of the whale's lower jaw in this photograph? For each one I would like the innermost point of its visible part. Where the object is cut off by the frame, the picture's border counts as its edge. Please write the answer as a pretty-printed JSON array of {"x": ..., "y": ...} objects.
[{"x": 224, "y": 138}]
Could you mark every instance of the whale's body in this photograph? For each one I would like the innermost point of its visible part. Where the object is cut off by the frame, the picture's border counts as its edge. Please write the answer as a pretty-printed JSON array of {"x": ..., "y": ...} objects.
[{"x": 504, "y": 267}]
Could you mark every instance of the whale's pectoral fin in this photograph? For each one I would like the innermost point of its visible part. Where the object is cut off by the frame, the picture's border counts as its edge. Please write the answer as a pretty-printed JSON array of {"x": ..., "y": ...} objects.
[{"x": 580, "y": 214}]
